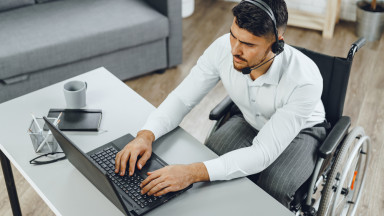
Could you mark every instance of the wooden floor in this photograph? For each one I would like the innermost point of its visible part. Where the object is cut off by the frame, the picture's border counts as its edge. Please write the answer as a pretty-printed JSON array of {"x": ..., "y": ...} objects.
[{"x": 212, "y": 18}]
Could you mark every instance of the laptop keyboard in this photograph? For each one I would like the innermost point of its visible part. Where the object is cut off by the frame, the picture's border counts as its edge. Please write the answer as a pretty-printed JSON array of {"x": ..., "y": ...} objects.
[{"x": 129, "y": 184}]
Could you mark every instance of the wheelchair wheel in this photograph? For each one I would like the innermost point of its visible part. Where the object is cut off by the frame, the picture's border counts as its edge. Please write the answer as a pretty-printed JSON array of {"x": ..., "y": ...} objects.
[{"x": 345, "y": 181}]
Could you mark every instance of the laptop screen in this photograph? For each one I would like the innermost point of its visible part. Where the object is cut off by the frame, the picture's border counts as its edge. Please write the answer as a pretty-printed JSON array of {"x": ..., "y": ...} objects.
[{"x": 83, "y": 163}]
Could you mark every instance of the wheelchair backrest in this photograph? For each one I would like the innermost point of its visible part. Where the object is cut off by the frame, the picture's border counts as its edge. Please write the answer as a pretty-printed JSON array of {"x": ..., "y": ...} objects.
[{"x": 335, "y": 72}]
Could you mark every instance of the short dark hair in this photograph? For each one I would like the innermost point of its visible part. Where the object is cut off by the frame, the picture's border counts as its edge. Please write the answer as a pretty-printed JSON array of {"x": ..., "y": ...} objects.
[{"x": 256, "y": 21}]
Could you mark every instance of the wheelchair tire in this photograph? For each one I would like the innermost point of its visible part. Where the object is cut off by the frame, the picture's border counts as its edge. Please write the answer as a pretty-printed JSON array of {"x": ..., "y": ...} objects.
[{"x": 337, "y": 177}]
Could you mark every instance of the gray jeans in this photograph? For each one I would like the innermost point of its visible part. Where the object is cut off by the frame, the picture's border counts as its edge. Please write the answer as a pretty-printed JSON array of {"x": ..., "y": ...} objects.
[{"x": 288, "y": 172}]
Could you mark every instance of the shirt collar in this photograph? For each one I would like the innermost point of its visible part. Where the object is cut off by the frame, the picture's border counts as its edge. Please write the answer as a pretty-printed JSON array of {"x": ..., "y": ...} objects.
[{"x": 272, "y": 76}]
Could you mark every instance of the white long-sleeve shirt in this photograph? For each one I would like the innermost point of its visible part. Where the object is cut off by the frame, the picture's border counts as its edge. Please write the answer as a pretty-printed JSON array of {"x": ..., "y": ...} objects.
[{"x": 280, "y": 103}]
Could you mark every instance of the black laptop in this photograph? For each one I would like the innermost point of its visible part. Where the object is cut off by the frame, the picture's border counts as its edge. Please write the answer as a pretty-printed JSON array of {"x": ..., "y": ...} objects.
[{"x": 98, "y": 167}]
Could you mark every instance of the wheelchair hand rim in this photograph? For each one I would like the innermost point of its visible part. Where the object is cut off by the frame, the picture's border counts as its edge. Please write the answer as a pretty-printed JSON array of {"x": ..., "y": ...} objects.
[{"x": 363, "y": 140}]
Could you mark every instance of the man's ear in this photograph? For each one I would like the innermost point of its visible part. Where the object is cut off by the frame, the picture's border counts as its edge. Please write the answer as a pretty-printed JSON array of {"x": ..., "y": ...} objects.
[{"x": 281, "y": 32}]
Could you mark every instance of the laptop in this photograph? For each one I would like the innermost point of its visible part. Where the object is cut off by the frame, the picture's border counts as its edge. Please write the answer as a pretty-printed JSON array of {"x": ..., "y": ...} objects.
[{"x": 98, "y": 167}]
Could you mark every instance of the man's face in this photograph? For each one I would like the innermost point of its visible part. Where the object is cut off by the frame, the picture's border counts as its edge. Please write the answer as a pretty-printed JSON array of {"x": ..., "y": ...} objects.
[{"x": 247, "y": 49}]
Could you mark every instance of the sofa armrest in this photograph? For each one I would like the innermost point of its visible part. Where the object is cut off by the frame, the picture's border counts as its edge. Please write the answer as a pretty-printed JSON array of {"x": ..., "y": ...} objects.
[
  {"x": 171, "y": 9},
  {"x": 221, "y": 109},
  {"x": 336, "y": 136}
]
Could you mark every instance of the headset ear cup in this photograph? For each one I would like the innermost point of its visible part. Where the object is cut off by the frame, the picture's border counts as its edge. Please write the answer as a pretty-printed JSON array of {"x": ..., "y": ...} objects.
[
  {"x": 280, "y": 46},
  {"x": 275, "y": 47}
]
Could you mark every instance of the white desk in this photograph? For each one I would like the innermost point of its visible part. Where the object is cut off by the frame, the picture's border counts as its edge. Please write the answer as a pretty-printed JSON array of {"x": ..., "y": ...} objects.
[{"x": 68, "y": 192}]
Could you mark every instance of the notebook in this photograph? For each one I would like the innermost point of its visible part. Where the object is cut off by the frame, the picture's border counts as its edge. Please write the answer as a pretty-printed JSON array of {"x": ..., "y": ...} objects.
[{"x": 77, "y": 119}]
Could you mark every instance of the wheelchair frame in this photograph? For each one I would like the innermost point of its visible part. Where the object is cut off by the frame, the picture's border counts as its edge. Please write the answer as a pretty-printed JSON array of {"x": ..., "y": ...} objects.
[
  {"x": 356, "y": 143},
  {"x": 330, "y": 170}
]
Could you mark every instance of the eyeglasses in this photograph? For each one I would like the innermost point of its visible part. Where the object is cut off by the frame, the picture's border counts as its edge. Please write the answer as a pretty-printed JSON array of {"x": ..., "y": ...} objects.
[{"x": 48, "y": 158}]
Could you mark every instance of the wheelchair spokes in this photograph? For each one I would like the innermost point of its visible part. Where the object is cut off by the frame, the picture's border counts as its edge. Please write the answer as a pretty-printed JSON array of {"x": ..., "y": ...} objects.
[
  {"x": 345, "y": 181},
  {"x": 343, "y": 206}
]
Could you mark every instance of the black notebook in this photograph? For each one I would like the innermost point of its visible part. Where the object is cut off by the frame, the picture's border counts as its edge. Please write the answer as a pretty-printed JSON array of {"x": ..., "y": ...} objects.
[{"x": 77, "y": 119}]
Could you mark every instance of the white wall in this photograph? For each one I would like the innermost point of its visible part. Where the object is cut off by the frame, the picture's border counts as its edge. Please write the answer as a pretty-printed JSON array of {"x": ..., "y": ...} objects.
[
  {"x": 313, "y": 6},
  {"x": 348, "y": 7}
]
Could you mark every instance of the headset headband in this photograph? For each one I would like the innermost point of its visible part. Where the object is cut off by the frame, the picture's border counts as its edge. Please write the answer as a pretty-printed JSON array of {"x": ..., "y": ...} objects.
[{"x": 263, "y": 6}]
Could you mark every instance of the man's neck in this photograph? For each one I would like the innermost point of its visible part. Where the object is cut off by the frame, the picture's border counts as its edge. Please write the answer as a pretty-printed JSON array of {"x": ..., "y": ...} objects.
[{"x": 261, "y": 70}]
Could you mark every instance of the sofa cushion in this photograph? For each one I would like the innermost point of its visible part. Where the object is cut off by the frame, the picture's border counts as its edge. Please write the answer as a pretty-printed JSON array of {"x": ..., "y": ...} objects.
[
  {"x": 47, "y": 35},
  {"x": 11, "y": 4}
]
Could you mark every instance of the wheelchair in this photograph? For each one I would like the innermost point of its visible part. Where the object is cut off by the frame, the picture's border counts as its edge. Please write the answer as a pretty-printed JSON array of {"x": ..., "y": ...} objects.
[{"x": 337, "y": 182}]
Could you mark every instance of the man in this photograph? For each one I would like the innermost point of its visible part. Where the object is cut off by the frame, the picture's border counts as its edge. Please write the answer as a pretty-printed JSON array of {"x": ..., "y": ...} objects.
[{"x": 273, "y": 135}]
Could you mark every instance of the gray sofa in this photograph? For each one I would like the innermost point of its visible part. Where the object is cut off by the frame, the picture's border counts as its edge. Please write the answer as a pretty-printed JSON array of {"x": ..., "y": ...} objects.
[{"x": 45, "y": 42}]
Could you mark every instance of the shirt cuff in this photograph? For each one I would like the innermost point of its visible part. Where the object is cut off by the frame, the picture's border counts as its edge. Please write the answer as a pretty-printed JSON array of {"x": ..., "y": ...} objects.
[
  {"x": 157, "y": 132},
  {"x": 216, "y": 169},
  {"x": 154, "y": 132}
]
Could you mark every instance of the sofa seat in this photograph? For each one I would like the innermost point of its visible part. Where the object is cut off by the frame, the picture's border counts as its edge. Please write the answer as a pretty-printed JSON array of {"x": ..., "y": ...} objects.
[{"x": 61, "y": 32}]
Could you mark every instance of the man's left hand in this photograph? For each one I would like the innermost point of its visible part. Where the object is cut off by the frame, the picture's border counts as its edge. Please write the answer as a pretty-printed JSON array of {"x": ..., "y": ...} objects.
[{"x": 173, "y": 178}]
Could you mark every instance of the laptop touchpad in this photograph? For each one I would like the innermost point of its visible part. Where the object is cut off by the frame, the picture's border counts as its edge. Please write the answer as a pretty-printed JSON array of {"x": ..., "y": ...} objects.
[{"x": 152, "y": 165}]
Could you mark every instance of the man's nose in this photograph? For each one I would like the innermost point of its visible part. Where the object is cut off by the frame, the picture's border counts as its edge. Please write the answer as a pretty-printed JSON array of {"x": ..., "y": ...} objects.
[{"x": 236, "y": 49}]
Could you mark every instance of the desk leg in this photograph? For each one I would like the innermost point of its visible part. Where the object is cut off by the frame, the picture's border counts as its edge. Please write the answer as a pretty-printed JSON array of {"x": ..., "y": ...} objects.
[{"x": 10, "y": 182}]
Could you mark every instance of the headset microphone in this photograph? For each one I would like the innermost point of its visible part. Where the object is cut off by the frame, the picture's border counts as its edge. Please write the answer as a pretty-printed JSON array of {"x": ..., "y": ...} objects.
[
  {"x": 278, "y": 46},
  {"x": 248, "y": 70}
]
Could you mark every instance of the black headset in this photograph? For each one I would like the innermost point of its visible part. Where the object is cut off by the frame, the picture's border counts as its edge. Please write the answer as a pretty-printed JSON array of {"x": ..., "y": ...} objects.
[{"x": 278, "y": 46}]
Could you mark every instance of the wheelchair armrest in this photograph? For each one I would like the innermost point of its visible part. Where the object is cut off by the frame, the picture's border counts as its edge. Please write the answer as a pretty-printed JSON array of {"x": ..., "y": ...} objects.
[
  {"x": 221, "y": 109},
  {"x": 335, "y": 137}
]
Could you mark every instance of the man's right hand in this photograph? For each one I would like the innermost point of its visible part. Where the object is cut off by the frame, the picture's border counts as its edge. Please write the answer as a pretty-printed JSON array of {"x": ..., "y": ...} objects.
[{"x": 140, "y": 146}]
